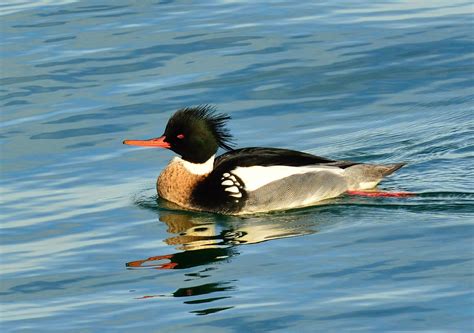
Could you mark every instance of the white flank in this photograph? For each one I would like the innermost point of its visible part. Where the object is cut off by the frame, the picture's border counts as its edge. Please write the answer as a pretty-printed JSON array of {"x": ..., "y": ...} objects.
[
  {"x": 367, "y": 185},
  {"x": 255, "y": 177},
  {"x": 197, "y": 168}
]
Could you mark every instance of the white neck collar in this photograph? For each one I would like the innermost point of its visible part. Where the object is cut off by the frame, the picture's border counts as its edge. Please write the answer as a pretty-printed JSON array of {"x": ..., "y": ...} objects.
[{"x": 197, "y": 168}]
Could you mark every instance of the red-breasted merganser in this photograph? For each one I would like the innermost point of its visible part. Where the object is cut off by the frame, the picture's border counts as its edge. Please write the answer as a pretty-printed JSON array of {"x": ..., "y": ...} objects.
[{"x": 248, "y": 180}]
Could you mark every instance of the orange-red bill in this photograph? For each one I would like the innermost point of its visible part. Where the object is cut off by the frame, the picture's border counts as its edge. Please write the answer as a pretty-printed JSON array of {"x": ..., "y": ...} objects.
[{"x": 155, "y": 142}]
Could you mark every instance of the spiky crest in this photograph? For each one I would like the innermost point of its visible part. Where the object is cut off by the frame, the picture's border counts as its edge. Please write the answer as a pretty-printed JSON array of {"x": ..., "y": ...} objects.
[{"x": 215, "y": 122}]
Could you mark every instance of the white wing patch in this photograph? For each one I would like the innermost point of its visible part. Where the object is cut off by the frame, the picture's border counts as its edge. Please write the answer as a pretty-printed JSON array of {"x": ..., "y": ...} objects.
[
  {"x": 231, "y": 185},
  {"x": 255, "y": 177},
  {"x": 232, "y": 189}
]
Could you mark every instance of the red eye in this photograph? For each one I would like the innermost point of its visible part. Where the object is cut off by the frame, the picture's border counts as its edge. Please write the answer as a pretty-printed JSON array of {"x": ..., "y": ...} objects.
[{"x": 180, "y": 136}]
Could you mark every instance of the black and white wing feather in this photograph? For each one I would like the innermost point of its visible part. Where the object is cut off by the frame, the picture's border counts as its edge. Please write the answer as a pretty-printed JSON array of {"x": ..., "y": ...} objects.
[{"x": 280, "y": 178}]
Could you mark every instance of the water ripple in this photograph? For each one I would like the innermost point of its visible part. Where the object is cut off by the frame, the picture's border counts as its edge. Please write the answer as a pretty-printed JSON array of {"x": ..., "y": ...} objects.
[{"x": 86, "y": 243}]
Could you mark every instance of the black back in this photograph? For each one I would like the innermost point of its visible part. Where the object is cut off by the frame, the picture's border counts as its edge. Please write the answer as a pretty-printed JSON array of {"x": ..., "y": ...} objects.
[{"x": 247, "y": 157}]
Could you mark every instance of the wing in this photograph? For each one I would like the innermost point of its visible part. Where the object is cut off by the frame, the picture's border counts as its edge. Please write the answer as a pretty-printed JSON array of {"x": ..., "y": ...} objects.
[
  {"x": 256, "y": 167},
  {"x": 246, "y": 157},
  {"x": 238, "y": 174}
]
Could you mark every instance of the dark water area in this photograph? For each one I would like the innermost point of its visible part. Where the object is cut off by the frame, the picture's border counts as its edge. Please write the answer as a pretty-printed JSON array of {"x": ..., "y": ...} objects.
[{"x": 86, "y": 246}]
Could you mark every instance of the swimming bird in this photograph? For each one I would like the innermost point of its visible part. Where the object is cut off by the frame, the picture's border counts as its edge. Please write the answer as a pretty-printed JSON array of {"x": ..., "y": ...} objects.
[{"x": 248, "y": 180}]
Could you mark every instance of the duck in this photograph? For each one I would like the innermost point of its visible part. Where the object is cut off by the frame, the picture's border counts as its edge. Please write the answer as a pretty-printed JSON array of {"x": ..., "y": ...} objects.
[{"x": 248, "y": 180}]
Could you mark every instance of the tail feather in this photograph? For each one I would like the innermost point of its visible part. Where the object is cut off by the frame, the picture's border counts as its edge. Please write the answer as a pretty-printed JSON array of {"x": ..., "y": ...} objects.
[
  {"x": 367, "y": 176},
  {"x": 391, "y": 168}
]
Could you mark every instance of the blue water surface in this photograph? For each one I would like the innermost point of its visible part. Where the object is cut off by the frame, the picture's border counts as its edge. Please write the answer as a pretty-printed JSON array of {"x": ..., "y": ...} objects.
[{"x": 86, "y": 246}]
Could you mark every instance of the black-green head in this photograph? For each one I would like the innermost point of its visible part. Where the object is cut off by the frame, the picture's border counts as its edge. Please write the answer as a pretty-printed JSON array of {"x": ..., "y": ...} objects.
[{"x": 195, "y": 133}]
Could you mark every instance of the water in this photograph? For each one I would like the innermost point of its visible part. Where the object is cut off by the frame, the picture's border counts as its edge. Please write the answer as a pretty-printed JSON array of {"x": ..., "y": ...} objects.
[{"x": 385, "y": 83}]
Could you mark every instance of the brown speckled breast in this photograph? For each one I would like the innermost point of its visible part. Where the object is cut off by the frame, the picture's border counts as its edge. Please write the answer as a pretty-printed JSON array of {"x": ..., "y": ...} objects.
[{"x": 176, "y": 184}]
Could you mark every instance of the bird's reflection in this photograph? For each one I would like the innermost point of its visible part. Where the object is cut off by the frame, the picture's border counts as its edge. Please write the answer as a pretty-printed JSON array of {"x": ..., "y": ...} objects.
[
  {"x": 203, "y": 239},
  {"x": 206, "y": 238}
]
